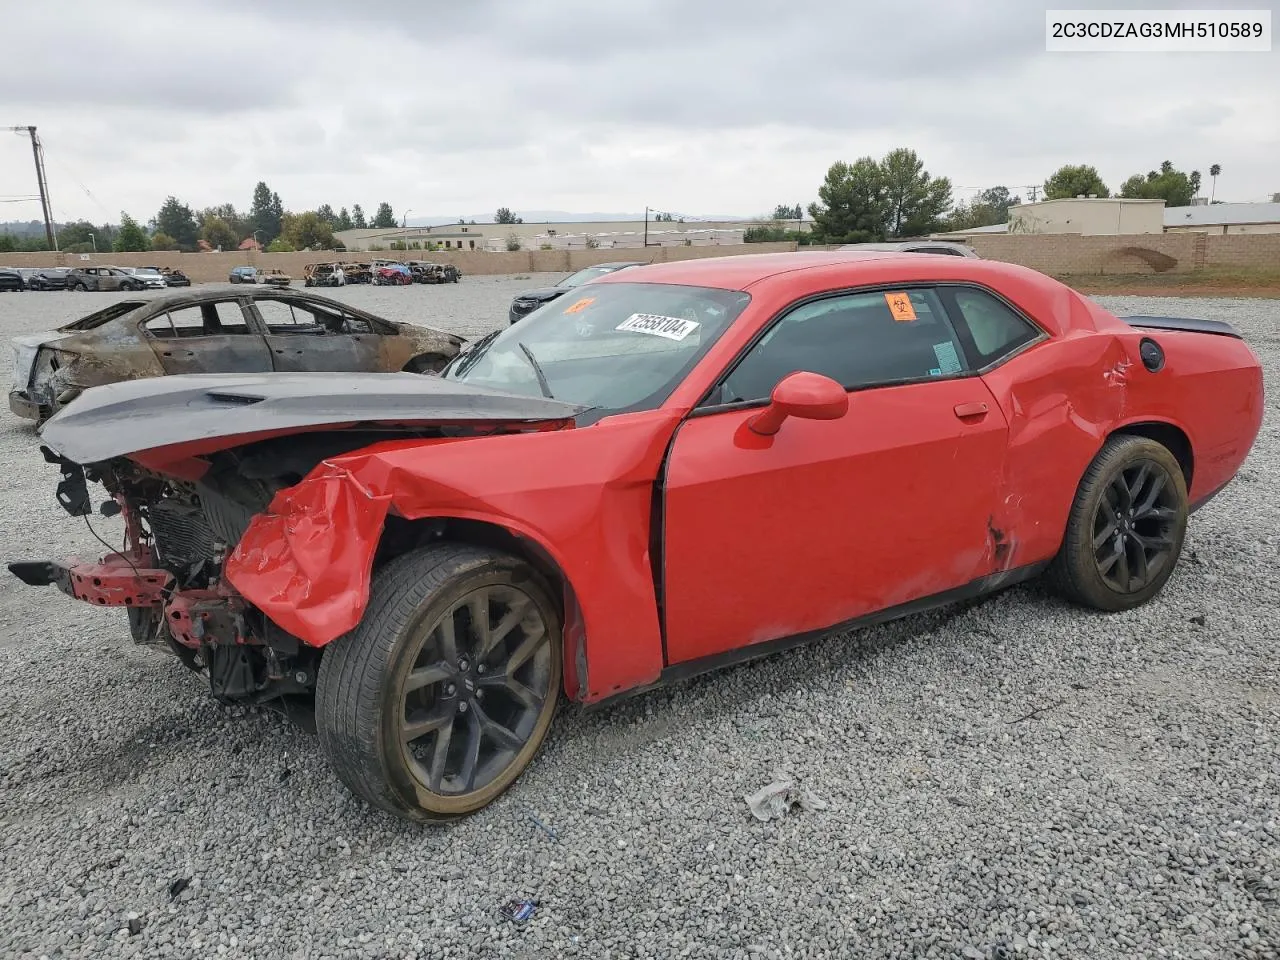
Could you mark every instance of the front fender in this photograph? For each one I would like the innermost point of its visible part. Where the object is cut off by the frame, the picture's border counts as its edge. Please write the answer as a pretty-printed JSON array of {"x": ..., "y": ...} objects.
[{"x": 584, "y": 496}]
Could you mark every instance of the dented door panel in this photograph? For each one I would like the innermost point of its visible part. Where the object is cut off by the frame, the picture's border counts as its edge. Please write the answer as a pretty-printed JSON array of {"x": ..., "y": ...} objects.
[{"x": 827, "y": 521}]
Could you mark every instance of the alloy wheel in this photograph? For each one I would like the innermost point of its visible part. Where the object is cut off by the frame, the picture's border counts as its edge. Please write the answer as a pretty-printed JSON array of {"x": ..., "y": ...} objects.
[{"x": 1134, "y": 526}]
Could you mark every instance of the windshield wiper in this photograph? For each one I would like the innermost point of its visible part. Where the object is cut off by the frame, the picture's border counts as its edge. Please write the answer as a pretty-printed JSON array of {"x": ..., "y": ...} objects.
[
  {"x": 469, "y": 358},
  {"x": 537, "y": 370}
]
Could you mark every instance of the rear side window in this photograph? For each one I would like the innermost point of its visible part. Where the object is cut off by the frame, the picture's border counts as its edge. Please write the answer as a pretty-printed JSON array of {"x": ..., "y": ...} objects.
[
  {"x": 858, "y": 340},
  {"x": 201, "y": 320},
  {"x": 990, "y": 328}
]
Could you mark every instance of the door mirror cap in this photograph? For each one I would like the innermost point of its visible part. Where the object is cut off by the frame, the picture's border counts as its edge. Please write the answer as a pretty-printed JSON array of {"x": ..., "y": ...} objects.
[{"x": 809, "y": 396}]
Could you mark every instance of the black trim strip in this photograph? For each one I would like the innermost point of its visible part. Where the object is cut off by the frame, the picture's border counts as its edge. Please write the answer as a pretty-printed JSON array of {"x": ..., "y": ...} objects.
[
  {"x": 692, "y": 668},
  {"x": 1218, "y": 327}
]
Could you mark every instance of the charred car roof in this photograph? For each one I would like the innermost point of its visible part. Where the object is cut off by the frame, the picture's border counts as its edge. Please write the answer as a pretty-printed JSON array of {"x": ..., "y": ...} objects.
[{"x": 189, "y": 297}]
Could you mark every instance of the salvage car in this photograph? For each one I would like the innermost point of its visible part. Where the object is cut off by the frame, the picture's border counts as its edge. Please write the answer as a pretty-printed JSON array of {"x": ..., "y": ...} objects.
[
  {"x": 102, "y": 279},
  {"x": 46, "y": 278},
  {"x": 243, "y": 275},
  {"x": 11, "y": 280},
  {"x": 149, "y": 277},
  {"x": 424, "y": 271},
  {"x": 173, "y": 277},
  {"x": 732, "y": 456},
  {"x": 275, "y": 277},
  {"x": 214, "y": 331},
  {"x": 529, "y": 301}
]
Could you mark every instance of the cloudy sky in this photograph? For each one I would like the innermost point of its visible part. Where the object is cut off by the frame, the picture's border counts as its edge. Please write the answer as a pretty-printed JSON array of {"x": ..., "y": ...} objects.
[{"x": 694, "y": 106}]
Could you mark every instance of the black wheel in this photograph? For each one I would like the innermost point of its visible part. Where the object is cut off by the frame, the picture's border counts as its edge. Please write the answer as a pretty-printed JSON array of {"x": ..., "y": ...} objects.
[
  {"x": 438, "y": 700},
  {"x": 1126, "y": 527}
]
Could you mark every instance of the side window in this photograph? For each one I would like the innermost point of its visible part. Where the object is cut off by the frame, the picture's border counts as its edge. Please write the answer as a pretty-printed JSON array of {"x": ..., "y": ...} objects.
[
  {"x": 990, "y": 328},
  {"x": 858, "y": 340},
  {"x": 282, "y": 317},
  {"x": 201, "y": 320}
]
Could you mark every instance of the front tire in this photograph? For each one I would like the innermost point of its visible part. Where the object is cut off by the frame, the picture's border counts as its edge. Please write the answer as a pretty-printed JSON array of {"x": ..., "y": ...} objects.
[
  {"x": 437, "y": 701},
  {"x": 1126, "y": 528}
]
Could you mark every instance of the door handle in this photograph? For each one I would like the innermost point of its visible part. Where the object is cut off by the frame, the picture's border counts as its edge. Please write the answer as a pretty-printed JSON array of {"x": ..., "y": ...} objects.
[{"x": 974, "y": 409}]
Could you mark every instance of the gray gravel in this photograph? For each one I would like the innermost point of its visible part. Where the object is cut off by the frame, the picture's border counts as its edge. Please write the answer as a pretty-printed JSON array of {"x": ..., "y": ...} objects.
[{"x": 1134, "y": 815}]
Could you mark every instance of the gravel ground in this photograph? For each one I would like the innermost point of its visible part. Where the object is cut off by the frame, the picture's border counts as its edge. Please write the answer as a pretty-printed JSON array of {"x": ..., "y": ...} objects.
[{"x": 1014, "y": 775}]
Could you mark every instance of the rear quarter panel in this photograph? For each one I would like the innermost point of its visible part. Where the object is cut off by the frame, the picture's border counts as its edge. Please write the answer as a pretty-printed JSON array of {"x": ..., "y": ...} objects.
[{"x": 1064, "y": 397}]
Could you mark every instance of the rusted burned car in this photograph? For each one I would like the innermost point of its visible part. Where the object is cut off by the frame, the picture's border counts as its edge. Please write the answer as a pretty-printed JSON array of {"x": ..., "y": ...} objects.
[
  {"x": 323, "y": 275},
  {"x": 671, "y": 469},
  {"x": 229, "y": 330},
  {"x": 275, "y": 277},
  {"x": 426, "y": 271},
  {"x": 102, "y": 279}
]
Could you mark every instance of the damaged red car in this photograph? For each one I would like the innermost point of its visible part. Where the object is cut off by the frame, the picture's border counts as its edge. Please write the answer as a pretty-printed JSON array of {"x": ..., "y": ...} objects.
[{"x": 678, "y": 467}]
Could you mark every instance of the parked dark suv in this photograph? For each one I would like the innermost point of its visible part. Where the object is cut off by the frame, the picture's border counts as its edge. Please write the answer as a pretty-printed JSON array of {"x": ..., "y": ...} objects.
[
  {"x": 531, "y": 300},
  {"x": 11, "y": 279},
  {"x": 47, "y": 278}
]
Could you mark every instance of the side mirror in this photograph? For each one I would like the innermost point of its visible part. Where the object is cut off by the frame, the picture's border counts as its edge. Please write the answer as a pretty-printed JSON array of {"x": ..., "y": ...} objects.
[{"x": 809, "y": 396}]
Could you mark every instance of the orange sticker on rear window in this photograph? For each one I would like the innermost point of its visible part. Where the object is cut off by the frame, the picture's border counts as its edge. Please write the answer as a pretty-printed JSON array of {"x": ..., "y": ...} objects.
[
  {"x": 580, "y": 305},
  {"x": 900, "y": 307}
]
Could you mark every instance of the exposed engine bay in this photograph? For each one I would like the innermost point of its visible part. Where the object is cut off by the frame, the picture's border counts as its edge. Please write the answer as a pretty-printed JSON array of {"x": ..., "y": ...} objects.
[{"x": 178, "y": 533}]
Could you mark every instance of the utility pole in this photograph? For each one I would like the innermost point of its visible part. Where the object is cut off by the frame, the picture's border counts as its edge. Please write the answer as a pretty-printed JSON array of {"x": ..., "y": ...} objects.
[
  {"x": 1035, "y": 192},
  {"x": 42, "y": 182},
  {"x": 646, "y": 227}
]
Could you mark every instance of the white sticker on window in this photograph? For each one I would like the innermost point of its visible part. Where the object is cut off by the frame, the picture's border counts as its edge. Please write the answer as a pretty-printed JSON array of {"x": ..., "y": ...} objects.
[
  {"x": 948, "y": 361},
  {"x": 673, "y": 328}
]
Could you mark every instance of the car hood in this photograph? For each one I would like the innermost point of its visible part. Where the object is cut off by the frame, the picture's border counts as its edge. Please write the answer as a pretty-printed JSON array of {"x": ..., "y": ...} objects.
[
  {"x": 543, "y": 293},
  {"x": 136, "y": 415}
]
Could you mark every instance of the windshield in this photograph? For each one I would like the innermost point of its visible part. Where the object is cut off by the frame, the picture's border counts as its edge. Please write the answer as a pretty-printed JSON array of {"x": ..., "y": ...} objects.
[
  {"x": 146, "y": 272},
  {"x": 619, "y": 346},
  {"x": 586, "y": 276}
]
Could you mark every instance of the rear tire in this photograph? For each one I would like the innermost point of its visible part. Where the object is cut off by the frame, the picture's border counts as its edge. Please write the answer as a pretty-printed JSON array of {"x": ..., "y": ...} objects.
[
  {"x": 1126, "y": 528},
  {"x": 441, "y": 696}
]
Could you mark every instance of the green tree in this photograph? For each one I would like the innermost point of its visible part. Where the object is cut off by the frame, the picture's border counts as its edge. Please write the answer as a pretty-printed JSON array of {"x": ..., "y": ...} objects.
[
  {"x": 162, "y": 241},
  {"x": 279, "y": 245},
  {"x": 7, "y": 242},
  {"x": 79, "y": 237},
  {"x": 176, "y": 219},
  {"x": 513, "y": 242},
  {"x": 131, "y": 238},
  {"x": 218, "y": 234},
  {"x": 504, "y": 215},
  {"x": 1214, "y": 170},
  {"x": 265, "y": 213},
  {"x": 325, "y": 213},
  {"x": 344, "y": 220},
  {"x": 851, "y": 205},
  {"x": 357, "y": 218},
  {"x": 784, "y": 212},
  {"x": 1075, "y": 181},
  {"x": 915, "y": 201},
  {"x": 385, "y": 218},
  {"x": 1172, "y": 186},
  {"x": 235, "y": 221},
  {"x": 989, "y": 207},
  {"x": 306, "y": 231}
]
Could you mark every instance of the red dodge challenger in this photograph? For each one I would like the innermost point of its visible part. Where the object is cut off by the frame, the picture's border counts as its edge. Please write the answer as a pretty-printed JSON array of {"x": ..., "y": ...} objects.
[{"x": 671, "y": 469}]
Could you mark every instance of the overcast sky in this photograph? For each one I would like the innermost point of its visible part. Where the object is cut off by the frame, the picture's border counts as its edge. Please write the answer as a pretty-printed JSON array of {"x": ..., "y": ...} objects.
[{"x": 694, "y": 106}]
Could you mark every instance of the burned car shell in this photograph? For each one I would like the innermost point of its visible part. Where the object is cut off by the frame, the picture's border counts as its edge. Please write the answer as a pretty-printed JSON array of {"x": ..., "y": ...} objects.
[
  {"x": 117, "y": 344},
  {"x": 102, "y": 279}
]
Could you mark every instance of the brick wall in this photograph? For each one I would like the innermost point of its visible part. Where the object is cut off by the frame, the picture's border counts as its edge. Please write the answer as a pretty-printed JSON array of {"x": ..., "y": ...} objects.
[{"x": 1049, "y": 253}]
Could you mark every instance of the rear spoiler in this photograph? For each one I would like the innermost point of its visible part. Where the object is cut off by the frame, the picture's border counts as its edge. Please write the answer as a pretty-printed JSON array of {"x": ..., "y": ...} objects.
[{"x": 1219, "y": 327}]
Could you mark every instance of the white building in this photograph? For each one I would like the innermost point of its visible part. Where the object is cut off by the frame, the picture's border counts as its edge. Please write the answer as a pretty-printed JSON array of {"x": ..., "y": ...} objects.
[{"x": 1223, "y": 218}]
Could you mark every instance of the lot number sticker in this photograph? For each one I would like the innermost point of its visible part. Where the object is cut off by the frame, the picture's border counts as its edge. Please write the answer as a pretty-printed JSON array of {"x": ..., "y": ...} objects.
[
  {"x": 580, "y": 305},
  {"x": 900, "y": 307},
  {"x": 654, "y": 324}
]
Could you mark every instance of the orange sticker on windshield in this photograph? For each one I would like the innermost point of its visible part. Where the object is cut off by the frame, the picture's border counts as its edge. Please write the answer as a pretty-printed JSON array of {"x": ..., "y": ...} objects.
[
  {"x": 580, "y": 305},
  {"x": 900, "y": 307}
]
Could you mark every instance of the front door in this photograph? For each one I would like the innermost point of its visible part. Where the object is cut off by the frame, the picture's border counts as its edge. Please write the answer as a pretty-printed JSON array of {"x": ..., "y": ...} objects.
[
  {"x": 829, "y": 521},
  {"x": 302, "y": 337},
  {"x": 212, "y": 337}
]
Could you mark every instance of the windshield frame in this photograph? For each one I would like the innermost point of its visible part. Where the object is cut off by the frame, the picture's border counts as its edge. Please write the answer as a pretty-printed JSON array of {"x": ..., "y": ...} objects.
[{"x": 733, "y": 301}]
